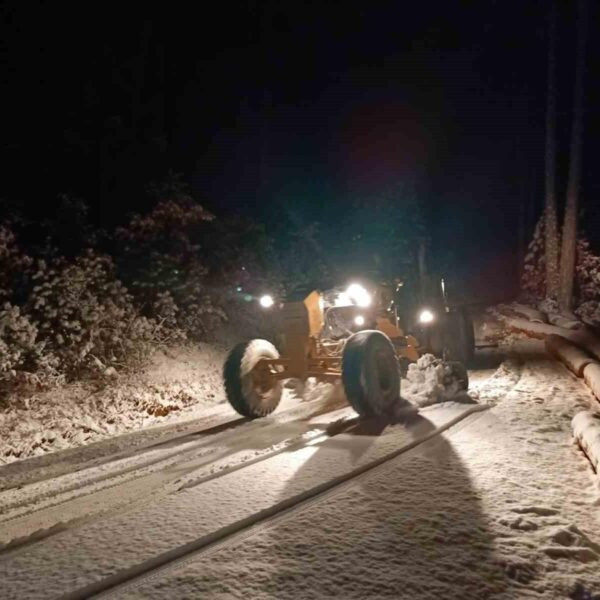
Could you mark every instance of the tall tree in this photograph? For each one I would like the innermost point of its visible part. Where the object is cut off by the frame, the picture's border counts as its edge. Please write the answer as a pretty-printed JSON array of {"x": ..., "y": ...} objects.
[
  {"x": 569, "y": 237},
  {"x": 551, "y": 228}
]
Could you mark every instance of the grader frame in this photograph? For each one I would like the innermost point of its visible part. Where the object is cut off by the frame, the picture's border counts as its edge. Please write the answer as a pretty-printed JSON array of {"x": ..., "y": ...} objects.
[{"x": 306, "y": 355}]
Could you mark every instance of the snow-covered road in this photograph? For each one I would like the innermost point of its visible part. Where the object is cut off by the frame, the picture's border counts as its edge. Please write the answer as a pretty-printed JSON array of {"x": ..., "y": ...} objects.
[{"x": 454, "y": 502}]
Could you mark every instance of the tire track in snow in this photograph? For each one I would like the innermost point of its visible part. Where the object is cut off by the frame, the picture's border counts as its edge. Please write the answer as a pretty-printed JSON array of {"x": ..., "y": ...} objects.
[
  {"x": 166, "y": 483},
  {"x": 100, "y": 472},
  {"x": 233, "y": 532},
  {"x": 106, "y": 566},
  {"x": 69, "y": 461}
]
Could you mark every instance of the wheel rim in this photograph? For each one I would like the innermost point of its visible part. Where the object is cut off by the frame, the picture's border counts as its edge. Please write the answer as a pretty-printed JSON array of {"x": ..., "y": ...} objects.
[
  {"x": 262, "y": 389},
  {"x": 263, "y": 380}
]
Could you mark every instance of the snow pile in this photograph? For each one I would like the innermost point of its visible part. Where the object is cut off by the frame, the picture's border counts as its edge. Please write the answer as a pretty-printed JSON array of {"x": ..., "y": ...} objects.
[
  {"x": 586, "y": 431},
  {"x": 174, "y": 386},
  {"x": 431, "y": 380}
]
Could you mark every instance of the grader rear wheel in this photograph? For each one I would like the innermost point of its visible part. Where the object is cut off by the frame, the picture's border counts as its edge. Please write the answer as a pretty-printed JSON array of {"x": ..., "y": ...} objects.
[
  {"x": 370, "y": 373},
  {"x": 459, "y": 337},
  {"x": 251, "y": 388}
]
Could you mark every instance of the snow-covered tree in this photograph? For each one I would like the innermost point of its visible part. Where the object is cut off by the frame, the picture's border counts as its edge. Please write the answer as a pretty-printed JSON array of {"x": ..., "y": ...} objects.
[{"x": 534, "y": 276}]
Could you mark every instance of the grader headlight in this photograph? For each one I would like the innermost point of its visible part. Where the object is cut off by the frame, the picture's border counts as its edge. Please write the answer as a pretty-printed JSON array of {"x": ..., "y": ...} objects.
[
  {"x": 426, "y": 316},
  {"x": 359, "y": 295},
  {"x": 266, "y": 301}
]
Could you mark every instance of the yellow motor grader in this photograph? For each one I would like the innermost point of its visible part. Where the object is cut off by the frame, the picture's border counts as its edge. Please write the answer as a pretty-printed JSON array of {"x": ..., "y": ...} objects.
[{"x": 354, "y": 335}]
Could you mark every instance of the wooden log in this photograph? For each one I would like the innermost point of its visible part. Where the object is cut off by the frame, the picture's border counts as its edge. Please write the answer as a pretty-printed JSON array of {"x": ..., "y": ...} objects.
[
  {"x": 534, "y": 315},
  {"x": 591, "y": 375},
  {"x": 564, "y": 322},
  {"x": 571, "y": 355},
  {"x": 535, "y": 330},
  {"x": 586, "y": 430},
  {"x": 583, "y": 338}
]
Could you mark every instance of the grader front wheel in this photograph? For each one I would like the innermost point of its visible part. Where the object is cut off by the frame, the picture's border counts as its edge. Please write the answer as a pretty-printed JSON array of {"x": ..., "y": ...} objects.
[
  {"x": 370, "y": 373},
  {"x": 251, "y": 388}
]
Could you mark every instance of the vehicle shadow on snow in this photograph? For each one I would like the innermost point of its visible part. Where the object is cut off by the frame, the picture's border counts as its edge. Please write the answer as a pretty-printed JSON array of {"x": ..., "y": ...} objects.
[{"x": 411, "y": 528}]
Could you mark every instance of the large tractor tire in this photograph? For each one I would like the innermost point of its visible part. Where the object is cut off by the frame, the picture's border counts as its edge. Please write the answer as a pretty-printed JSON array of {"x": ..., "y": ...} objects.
[
  {"x": 370, "y": 373},
  {"x": 459, "y": 337},
  {"x": 251, "y": 391}
]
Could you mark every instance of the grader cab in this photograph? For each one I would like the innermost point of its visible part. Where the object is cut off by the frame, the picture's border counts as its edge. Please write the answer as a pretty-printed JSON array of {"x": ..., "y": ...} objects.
[{"x": 353, "y": 335}]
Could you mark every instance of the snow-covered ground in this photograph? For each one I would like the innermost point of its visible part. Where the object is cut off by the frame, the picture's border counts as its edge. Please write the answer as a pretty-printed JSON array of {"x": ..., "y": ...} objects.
[
  {"x": 503, "y": 505},
  {"x": 451, "y": 502},
  {"x": 176, "y": 386}
]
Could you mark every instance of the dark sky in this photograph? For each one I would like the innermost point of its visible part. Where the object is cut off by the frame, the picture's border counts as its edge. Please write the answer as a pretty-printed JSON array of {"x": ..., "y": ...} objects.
[{"x": 267, "y": 106}]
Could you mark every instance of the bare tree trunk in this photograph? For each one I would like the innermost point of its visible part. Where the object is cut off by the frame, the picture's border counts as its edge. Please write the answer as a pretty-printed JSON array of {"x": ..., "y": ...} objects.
[
  {"x": 569, "y": 238},
  {"x": 551, "y": 229}
]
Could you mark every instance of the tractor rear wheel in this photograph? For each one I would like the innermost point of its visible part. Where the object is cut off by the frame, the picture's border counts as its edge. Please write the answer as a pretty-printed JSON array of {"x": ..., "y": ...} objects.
[
  {"x": 459, "y": 337},
  {"x": 251, "y": 388},
  {"x": 370, "y": 373}
]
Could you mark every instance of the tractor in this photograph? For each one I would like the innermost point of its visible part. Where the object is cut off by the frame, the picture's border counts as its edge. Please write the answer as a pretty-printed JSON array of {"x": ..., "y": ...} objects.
[{"x": 363, "y": 335}]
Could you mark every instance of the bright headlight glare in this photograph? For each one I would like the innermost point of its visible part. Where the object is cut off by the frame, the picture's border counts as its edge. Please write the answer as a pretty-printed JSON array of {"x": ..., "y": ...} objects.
[
  {"x": 426, "y": 316},
  {"x": 358, "y": 294},
  {"x": 266, "y": 301},
  {"x": 342, "y": 299},
  {"x": 359, "y": 320}
]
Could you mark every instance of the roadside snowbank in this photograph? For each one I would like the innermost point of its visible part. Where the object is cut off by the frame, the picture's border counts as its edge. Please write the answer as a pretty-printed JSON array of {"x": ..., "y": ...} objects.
[{"x": 177, "y": 385}]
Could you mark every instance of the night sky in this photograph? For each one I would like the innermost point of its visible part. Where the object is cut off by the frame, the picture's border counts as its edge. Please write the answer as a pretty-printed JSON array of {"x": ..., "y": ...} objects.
[{"x": 297, "y": 106}]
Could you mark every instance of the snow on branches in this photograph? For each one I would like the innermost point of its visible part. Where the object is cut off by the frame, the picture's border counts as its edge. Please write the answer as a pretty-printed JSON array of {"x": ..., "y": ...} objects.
[{"x": 587, "y": 277}]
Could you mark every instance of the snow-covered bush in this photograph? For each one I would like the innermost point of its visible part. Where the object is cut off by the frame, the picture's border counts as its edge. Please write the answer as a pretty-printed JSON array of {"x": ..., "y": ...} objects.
[
  {"x": 587, "y": 272},
  {"x": 587, "y": 278},
  {"x": 588, "y": 283},
  {"x": 23, "y": 358},
  {"x": 14, "y": 265},
  {"x": 86, "y": 318},
  {"x": 533, "y": 278},
  {"x": 161, "y": 252}
]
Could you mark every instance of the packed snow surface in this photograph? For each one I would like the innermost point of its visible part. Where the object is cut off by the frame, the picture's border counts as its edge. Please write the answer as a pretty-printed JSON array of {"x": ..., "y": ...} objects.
[{"x": 502, "y": 505}]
